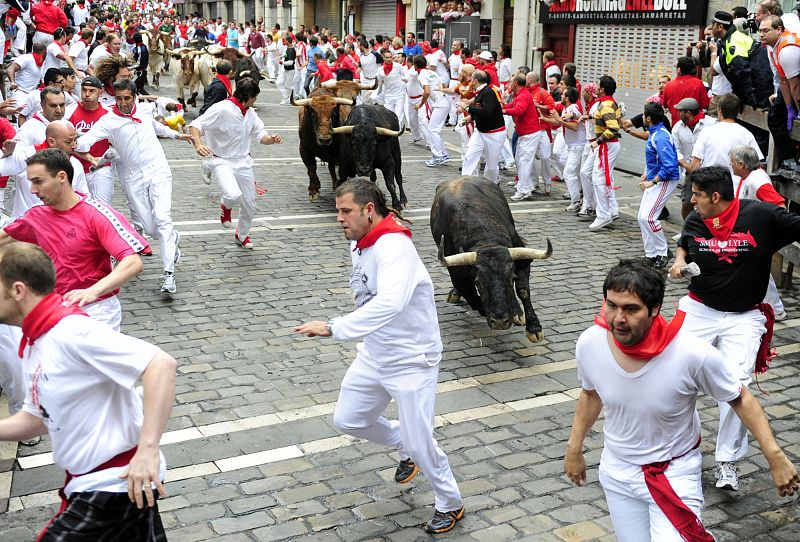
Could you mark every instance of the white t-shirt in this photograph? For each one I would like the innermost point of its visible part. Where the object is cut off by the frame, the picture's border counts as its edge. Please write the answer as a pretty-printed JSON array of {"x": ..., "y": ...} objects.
[
  {"x": 685, "y": 138},
  {"x": 720, "y": 85},
  {"x": 714, "y": 144},
  {"x": 455, "y": 65},
  {"x": 437, "y": 62},
  {"x": 98, "y": 54},
  {"x": 436, "y": 98},
  {"x": 28, "y": 74},
  {"x": 51, "y": 59},
  {"x": 505, "y": 69},
  {"x": 393, "y": 85},
  {"x": 413, "y": 86},
  {"x": 215, "y": 124},
  {"x": 650, "y": 414},
  {"x": 369, "y": 66},
  {"x": 80, "y": 55},
  {"x": 396, "y": 314},
  {"x": 573, "y": 112},
  {"x": 789, "y": 59},
  {"x": 79, "y": 15},
  {"x": 84, "y": 374}
]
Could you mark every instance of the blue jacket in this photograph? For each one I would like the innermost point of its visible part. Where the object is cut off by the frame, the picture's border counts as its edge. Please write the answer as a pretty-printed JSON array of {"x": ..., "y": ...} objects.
[
  {"x": 660, "y": 155},
  {"x": 415, "y": 49}
]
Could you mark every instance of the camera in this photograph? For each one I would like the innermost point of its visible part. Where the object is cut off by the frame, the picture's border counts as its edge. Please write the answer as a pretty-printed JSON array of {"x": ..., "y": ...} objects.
[
  {"x": 750, "y": 24},
  {"x": 709, "y": 39}
]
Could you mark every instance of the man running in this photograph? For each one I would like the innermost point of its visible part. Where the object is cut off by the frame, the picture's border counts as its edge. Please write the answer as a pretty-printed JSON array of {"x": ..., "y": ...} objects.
[
  {"x": 80, "y": 380},
  {"x": 143, "y": 169},
  {"x": 229, "y": 150},
  {"x": 401, "y": 348}
]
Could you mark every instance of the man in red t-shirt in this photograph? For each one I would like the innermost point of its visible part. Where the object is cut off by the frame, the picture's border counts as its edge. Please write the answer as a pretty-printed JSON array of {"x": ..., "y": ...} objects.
[
  {"x": 83, "y": 115},
  {"x": 685, "y": 85},
  {"x": 47, "y": 17},
  {"x": 81, "y": 235}
]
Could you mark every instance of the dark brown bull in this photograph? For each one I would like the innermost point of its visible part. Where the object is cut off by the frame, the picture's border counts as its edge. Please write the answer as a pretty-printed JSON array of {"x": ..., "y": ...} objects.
[
  {"x": 243, "y": 65},
  {"x": 318, "y": 115}
]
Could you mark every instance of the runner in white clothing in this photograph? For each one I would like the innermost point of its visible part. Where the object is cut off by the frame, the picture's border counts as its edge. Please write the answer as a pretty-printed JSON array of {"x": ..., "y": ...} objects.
[
  {"x": 400, "y": 351},
  {"x": 435, "y": 107},
  {"x": 229, "y": 151},
  {"x": 80, "y": 381},
  {"x": 392, "y": 87},
  {"x": 454, "y": 62},
  {"x": 25, "y": 73},
  {"x": 645, "y": 374},
  {"x": 143, "y": 168}
]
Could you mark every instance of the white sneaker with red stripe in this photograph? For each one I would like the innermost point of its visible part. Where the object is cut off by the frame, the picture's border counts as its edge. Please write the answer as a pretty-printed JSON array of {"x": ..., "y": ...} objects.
[{"x": 244, "y": 243}]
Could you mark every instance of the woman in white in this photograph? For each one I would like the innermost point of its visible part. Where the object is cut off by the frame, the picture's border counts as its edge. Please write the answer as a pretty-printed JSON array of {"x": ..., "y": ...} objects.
[{"x": 272, "y": 57}]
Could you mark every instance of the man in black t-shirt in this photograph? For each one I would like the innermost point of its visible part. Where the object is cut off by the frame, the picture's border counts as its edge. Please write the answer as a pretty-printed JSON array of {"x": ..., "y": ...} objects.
[{"x": 732, "y": 241}]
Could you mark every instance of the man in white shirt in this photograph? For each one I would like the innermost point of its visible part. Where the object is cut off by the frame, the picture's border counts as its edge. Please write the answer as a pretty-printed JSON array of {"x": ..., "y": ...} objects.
[
  {"x": 111, "y": 46},
  {"x": 685, "y": 133},
  {"x": 645, "y": 374},
  {"x": 369, "y": 68},
  {"x": 79, "y": 52},
  {"x": 454, "y": 62},
  {"x": 435, "y": 107},
  {"x": 437, "y": 61},
  {"x": 143, "y": 170},
  {"x": 505, "y": 68},
  {"x": 80, "y": 380},
  {"x": 392, "y": 87},
  {"x": 25, "y": 72},
  {"x": 400, "y": 351},
  {"x": 229, "y": 153},
  {"x": 416, "y": 121},
  {"x": 80, "y": 13}
]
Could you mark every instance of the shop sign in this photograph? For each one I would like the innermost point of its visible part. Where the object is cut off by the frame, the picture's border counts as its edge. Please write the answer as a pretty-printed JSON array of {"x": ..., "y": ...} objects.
[{"x": 689, "y": 12}]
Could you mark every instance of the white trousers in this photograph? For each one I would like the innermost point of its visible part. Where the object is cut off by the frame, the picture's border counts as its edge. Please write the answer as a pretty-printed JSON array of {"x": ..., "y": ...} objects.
[
  {"x": 101, "y": 184},
  {"x": 572, "y": 171},
  {"x": 417, "y": 120},
  {"x": 489, "y": 146},
  {"x": 108, "y": 311},
  {"x": 527, "y": 145},
  {"x": 286, "y": 82},
  {"x": 438, "y": 116},
  {"x": 18, "y": 44},
  {"x": 237, "y": 183},
  {"x": 366, "y": 391},
  {"x": 149, "y": 195},
  {"x": 737, "y": 336},
  {"x": 258, "y": 57},
  {"x": 12, "y": 380},
  {"x": 587, "y": 167},
  {"x": 507, "y": 155},
  {"x": 544, "y": 150},
  {"x": 299, "y": 81},
  {"x": 653, "y": 201},
  {"x": 558, "y": 158},
  {"x": 453, "y": 99},
  {"x": 606, "y": 201},
  {"x": 273, "y": 68},
  {"x": 634, "y": 514},
  {"x": 397, "y": 105},
  {"x": 40, "y": 37},
  {"x": 773, "y": 297}
]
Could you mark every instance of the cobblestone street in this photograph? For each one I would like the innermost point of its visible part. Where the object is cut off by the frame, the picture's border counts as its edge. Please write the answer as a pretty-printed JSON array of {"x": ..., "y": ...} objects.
[{"x": 251, "y": 448}]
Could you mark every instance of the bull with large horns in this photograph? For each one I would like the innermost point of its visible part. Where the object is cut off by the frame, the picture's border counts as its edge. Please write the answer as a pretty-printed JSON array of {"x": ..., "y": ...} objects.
[
  {"x": 488, "y": 261},
  {"x": 369, "y": 143}
]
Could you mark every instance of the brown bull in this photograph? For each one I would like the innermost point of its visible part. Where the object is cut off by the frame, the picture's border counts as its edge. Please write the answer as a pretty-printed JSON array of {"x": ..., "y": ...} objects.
[
  {"x": 318, "y": 115},
  {"x": 349, "y": 90}
]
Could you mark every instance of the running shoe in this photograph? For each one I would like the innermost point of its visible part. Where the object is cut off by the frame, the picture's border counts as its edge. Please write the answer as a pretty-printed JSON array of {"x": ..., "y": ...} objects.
[
  {"x": 519, "y": 196},
  {"x": 727, "y": 478},
  {"x": 406, "y": 471},
  {"x": 244, "y": 243},
  {"x": 168, "y": 283},
  {"x": 225, "y": 216},
  {"x": 441, "y": 522}
]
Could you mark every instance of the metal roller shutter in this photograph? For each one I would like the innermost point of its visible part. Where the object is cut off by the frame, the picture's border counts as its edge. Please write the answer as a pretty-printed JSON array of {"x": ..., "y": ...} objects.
[
  {"x": 329, "y": 13},
  {"x": 634, "y": 56},
  {"x": 250, "y": 10},
  {"x": 378, "y": 17}
]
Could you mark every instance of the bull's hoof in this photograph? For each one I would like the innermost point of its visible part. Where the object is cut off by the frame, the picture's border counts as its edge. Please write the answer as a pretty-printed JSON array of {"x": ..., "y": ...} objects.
[
  {"x": 535, "y": 337},
  {"x": 453, "y": 296},
  {"x": 313, "y": 197},
  {"x": 519, "y": 319}
]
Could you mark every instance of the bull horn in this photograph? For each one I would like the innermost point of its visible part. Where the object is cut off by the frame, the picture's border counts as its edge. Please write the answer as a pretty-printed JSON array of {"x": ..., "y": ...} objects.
[
  {"x": 330, "y": 83},
  {"x": 522, "y": 253},
  {"x": 299, "y": 103},
  {"x": 343, "y": 130},
  {"x": 440, "y": 256},
  {"x": 344, "y": 101},
  {"x": 373, "y": 86},
  {"x": 462, "y": 258},
  {"x": 245, "y": 73},
  {"x": 387, "y": 132}
]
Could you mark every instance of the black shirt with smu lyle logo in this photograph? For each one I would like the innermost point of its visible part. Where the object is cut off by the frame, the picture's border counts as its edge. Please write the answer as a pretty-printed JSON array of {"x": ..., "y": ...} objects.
[{"x": 734, "y": 273}]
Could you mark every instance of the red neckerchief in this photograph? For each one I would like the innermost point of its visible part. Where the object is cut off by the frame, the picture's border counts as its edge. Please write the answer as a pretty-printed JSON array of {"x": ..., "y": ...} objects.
[
  {"x": 41, "y": 146},
  {"x": 434, "y": 50},
  {"x": 226, "y": 83},
  {"x": 721, "y": 225},
  {"x": 119, "y": 113},
  {"x": 387, "y": 67},
  {"x": 238, "y": 104},
  {"x": 44, "y": 316},
  {"x": 549, "y": 63},
  {"x": 692, "y": 123},
  {"x": 606, "y": 99},
  {"x": 388, "y": 225},
  {"x": 86, "y": 43},
  {"x": 658, "y": 336},
  {"x": 110, "y": 90},
  {"x": 107, "y": 49},
  {"x": 39, "y": 59}
]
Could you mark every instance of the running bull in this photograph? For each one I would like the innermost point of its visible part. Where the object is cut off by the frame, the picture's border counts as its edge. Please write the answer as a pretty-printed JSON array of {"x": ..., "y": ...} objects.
[
  {"x": 485, "y": 256},
  {"x": 371, "y": 142},
  {"x": 318, "y": 117}
]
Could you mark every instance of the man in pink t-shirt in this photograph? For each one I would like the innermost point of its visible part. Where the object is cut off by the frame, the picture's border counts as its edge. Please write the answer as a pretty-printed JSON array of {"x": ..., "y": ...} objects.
[{"x": 81, "y": 235}]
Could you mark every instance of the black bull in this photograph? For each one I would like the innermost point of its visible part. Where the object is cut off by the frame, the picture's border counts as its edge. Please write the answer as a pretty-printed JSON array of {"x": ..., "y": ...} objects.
[
  {"x": 370, "y": 143},
  {"x": 485, "y": 256}
]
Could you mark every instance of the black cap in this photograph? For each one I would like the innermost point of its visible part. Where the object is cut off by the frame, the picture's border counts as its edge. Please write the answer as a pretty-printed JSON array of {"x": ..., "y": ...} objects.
[
  {"x": 92, "y": 81},
  {"x": 723, "y": 17}
]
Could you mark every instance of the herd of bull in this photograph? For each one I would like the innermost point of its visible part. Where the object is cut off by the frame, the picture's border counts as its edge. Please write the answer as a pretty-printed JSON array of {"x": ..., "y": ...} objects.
[{"x": 471, "y": 221}]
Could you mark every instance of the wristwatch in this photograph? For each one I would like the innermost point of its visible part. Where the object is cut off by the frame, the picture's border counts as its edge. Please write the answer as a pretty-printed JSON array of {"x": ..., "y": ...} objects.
[{"x": 329, "y": 326}]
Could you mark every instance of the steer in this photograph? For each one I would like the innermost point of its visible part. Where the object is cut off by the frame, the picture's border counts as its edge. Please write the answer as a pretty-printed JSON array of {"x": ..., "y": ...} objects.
[
  {"x": 191, "y": 69},
  {"x": 317, "y": 118},
  {"x": 157, "y": 55},
  {"x": 371, "y": 142},
  {"x": 485, "y": 256}
]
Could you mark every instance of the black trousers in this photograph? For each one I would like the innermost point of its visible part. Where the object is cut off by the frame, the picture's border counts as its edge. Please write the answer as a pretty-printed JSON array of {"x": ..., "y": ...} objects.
[
  {"x": 141, "y": 81},
  {"x": 104, "y": 517},
  {"x": 777, "y": 119}
]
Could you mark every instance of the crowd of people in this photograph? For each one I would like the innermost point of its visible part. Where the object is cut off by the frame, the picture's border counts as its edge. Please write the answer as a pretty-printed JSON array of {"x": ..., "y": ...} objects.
[{"x": 81, "y": 115}]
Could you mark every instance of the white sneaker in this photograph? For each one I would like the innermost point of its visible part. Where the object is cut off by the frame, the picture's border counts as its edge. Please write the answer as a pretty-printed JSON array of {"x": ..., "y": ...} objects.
[
  {"x": 433, "y": 162},
  {"x": 548, "y": 186},
  {"x": 445, "y": 159},
  {"x": 727, "y": 477},
  {"x": 676, "y": 237},
  {"x": 168, "y": 283},
  {"x": 206, "y": 167},
  {"x": 519, "y": 196},
  {"x": 600, "y": 223},
  {"x": 573, "y": 207},
  {"x": 780, "y": 316},
  {"x": 512, "y": 183}
]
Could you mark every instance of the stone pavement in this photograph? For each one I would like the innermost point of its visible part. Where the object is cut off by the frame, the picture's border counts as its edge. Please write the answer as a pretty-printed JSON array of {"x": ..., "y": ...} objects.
[{"x": 251, "y": 448}]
